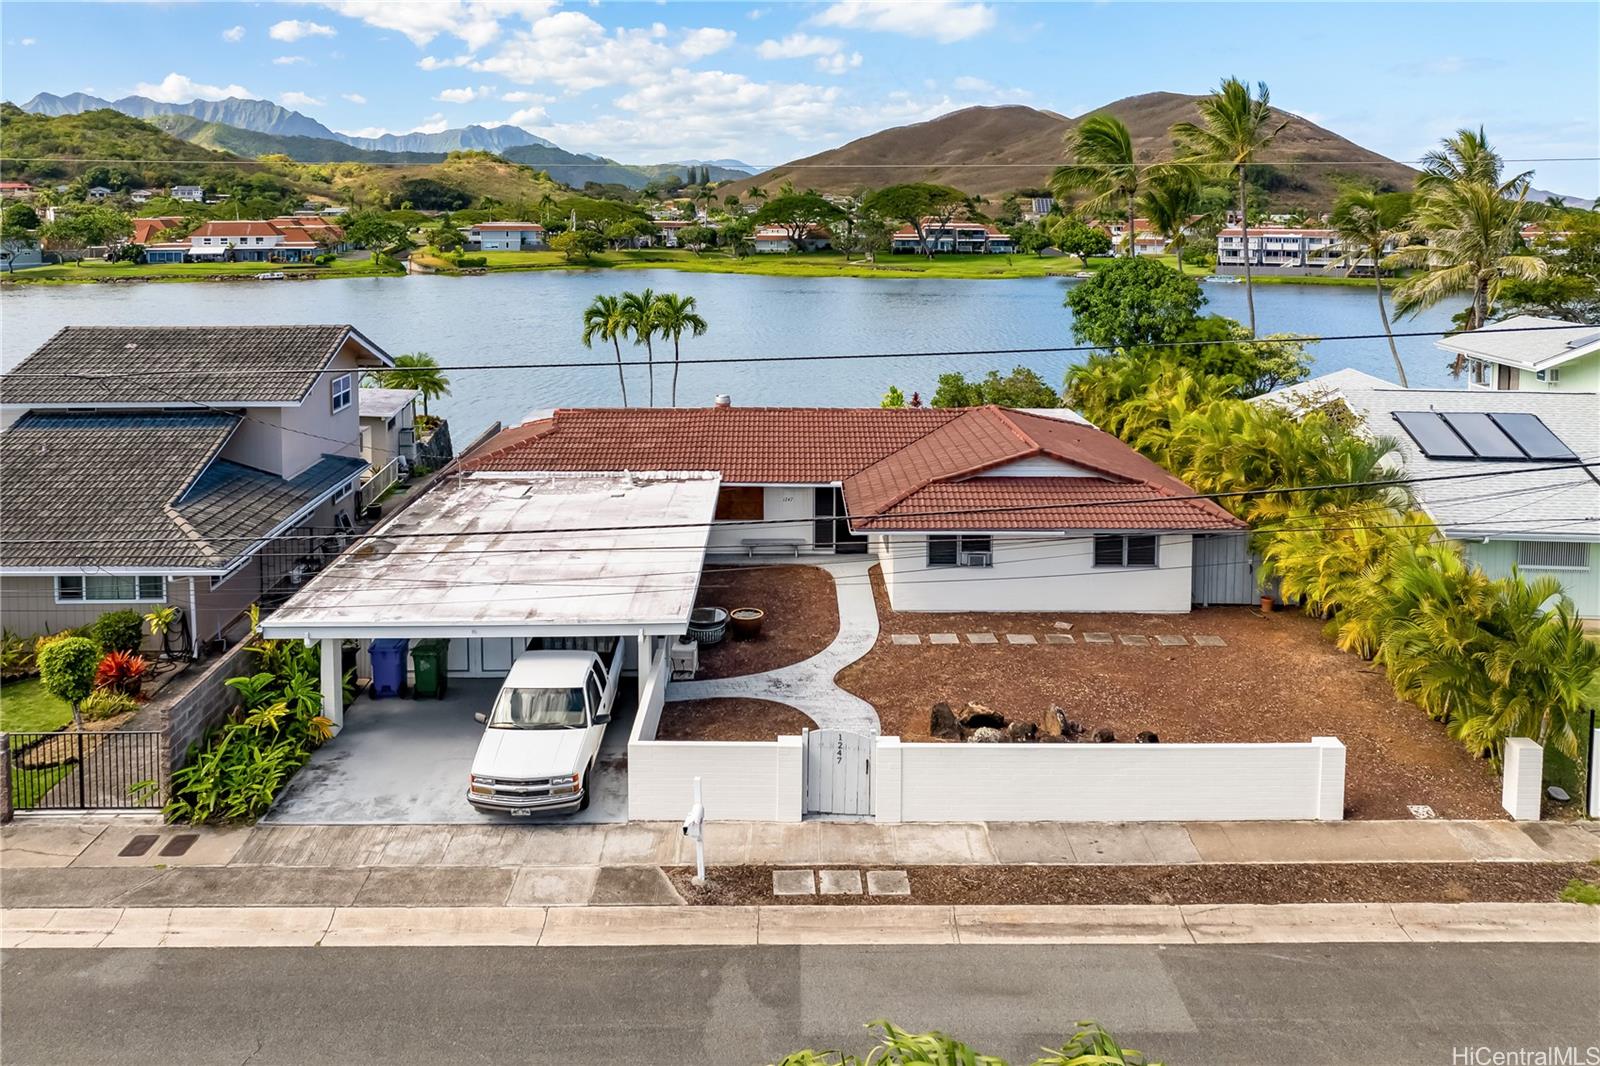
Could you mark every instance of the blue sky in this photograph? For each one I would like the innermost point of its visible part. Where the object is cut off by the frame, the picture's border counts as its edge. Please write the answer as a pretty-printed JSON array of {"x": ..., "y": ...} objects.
[{"x": 766, "y": 81}]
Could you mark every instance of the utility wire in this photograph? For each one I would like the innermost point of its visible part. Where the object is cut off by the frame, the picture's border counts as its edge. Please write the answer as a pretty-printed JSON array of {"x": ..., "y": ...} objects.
[{"x": 24, "y": 159}]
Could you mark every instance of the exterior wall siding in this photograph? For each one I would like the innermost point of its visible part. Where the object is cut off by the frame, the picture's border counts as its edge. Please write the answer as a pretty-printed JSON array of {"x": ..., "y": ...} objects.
[
  {"x": 787, "y": 513},
  {"x": 1580, "y": 375},
  {"x": 28, "y": 606},
  {"x": 1497, "y": 557},
  {"x": 1038, "y": 573}
]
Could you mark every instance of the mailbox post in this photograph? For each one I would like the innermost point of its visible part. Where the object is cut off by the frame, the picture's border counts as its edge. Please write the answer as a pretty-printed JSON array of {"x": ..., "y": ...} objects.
[{"x": 694, "y": 827}]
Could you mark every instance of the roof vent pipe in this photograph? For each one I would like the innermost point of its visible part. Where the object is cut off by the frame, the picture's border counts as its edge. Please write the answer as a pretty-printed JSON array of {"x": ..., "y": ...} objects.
[{"x": 722, "y": 400}]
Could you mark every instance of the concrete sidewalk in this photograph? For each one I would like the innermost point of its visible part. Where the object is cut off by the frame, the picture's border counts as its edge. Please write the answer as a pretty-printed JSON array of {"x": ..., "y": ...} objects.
[
  {"x": 217, "y": 927},
  {"x": 126, "y": 843}
]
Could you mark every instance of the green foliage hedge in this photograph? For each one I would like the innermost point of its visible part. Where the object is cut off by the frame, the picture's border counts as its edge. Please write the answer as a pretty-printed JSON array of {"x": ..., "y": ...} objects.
[{"x": 120, "y": 630}]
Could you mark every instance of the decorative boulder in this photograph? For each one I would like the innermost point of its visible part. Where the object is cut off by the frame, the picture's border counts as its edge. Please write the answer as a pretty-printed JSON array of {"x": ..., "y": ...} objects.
[
  {"x": 942, "y": 723},
  {"x": 1022, "y": 732},
  {"x": 977, "y": 716},
  {"x": 987, "y": 735},
  {"x": 1056, "y": 723},
  {"x": 1104, "y": 736},
  {"x": 1147, "y": 737}
]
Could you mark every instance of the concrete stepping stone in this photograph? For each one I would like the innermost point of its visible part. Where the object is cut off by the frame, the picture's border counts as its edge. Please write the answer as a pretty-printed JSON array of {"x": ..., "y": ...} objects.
[
  {"x": 794, "y": 883},
  {"x": 943, "y": 638},
  {"x": 1062, "y": 625},
  {"x": 1059, "y": 638},
  {"x": 1210, "y": 642},
  {"x": 982, "y": 638},
  {"x": 840, "y": 882},
  {"x": 888, "y": 883},
  {"x": 1021, "y": 638},
  {"x": 905, "y": 638},
  {"x": 1133, "y": 640},
  {"x": 1171, "y": 640},
  {"x": 1098, "y": 638}
]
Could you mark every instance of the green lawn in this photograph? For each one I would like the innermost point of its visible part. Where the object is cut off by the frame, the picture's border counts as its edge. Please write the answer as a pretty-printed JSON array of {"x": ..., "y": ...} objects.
[
  {"x": 97, "y": 270},
  {"x": 27, "y": 789},
  {"x": 25, "y": 707}
]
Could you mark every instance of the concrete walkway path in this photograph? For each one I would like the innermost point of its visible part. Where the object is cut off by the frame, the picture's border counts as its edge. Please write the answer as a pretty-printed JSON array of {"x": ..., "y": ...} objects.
[
  {"x": 808, "y": 685},
  {"x": 540, "y": 926}
]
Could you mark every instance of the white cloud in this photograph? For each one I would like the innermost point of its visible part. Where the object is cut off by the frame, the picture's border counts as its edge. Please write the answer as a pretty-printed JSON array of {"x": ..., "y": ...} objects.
[
  {"x": 943, "y": 20},
  {"x": 840, "y": 63},
  {"x": 289, "y": 61},
  {"x": 460, "y": 96},
  {"x": 798, "y": 46},
  {"x": 474, "y": 22},
  {"x": 28, "y": 42},
  {"x": 430, "y": 63},
  {"x": 292, "y": 30},
  {"x": 528, "y": 116},
  {"x": 293, "y": 98},
  {"x": 973, "y": 85},
  {"x": 709, "y": 40},
  {"x": 233, "y": 35},
  {"x": 519, "y": 96},
  {"x": 575, "y": 52},
  {"x": 436, "y": 124},
  {"x": 180, "y": 89},
  {"x": 354, "y": 98}
]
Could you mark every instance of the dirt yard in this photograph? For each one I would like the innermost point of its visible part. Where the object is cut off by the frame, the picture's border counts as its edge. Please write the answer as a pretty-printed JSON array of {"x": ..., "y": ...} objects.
[
  {"x": 730, "y": 718},
  {"x": 1276, "y": 679},
  {"x": 802, "y": 617}
]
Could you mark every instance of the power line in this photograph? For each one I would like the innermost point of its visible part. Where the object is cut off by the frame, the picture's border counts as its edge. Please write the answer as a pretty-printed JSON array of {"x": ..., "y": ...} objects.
[
  {"x": 22, "y": 374},
  {"x": 23, "y": 160}
]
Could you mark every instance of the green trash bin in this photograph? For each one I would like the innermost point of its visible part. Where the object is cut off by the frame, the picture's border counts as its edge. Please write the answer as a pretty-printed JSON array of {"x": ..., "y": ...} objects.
[{"x": 428, "y": 661}]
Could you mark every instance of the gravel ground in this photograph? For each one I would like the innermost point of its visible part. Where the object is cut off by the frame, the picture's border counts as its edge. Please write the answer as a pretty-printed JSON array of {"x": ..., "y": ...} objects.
[
  {"x": 802, "y": 617},
  {"x": 1399, "y": 882},
  {"x": 730, "y": 718},
  {"x": 1277, "y": 679}
]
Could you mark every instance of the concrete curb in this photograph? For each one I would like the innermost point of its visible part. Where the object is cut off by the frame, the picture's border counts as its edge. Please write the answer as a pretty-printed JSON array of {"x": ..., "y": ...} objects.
[{"x": 1299, "y": 923}]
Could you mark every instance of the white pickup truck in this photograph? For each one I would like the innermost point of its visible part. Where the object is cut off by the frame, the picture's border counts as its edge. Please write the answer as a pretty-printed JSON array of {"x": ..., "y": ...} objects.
[{"x": 542, "y": 740}]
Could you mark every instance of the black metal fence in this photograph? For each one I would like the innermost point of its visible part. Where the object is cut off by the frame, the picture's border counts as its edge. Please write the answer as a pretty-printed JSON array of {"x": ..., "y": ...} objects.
[{"x": 69, "y": 770}]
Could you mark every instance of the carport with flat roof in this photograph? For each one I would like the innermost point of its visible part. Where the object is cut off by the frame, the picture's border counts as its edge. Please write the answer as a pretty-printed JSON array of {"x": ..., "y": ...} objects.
[{"x": 492, "y": 562}]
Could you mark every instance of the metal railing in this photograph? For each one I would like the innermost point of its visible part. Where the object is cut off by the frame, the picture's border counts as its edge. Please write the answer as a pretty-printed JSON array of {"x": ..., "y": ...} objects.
[
  {"x": 377, "y": 483},
  {"x": 71, "y": 770}
]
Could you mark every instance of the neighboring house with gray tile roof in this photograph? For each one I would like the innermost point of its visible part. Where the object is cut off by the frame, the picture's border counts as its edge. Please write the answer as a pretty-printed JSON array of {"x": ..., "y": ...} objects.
[
  {"x": 1529, "y": 353},
  {"x": 1540, "y": 512},
  {"x": 202, "y": 467}
]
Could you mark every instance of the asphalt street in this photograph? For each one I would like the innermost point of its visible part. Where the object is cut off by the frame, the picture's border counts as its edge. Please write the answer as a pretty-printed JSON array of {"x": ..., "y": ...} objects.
[{"x": 1373, "y": 1004}]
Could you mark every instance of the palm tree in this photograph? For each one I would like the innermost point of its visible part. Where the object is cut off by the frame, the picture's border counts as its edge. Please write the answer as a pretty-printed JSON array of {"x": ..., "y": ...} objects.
[
  {"x": 1101, "y": 149},
  {"x": 1366, "y": 223},
  {"x": 606, "y": 319},
  {"x": 420, "y": 371},
  {"x": 674, "y": 315},
  {"x": 1466, "y": 156},
  {"x": 1474, "y": 242},
  {"x": 1170, "y": 200},
  {"x": 547, "y": 203},
  {"x": 1234, "y": 126},
  {"x": 640, "y": 309}
]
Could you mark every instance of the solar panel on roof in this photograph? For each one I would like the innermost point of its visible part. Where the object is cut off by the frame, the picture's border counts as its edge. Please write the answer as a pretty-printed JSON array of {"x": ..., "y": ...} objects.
[
  {"x": 1436, "y": 439},
  {"x": 1485, "y": 438},
  {"x": 1535, "y": 438}
]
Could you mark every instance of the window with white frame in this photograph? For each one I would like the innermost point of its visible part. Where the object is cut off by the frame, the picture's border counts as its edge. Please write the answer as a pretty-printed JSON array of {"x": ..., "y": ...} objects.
[
  {"x": 111, "y": 588},
  {"x": 964, "y": 550},
  {"x": 1118, "y": 550},
  {"x": 1553, "y": 555},
  {"x": 342, "y": 491},
  {"x": 342, "y": 394}
]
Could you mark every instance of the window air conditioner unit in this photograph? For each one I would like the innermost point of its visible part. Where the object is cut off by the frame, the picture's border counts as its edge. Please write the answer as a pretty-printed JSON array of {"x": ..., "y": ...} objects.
[{"x": 977, "y": 558}]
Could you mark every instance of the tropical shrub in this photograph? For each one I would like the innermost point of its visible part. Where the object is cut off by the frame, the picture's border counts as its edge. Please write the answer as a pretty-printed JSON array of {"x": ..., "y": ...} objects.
[
  {"x": 120, "y": 630},
  {"x": 67, "y": 668},
  {"x": 105, "y": 703},
  {"x": 1089, "y": 1046},
  {"x": 17, "y": 658},
  {"x": 42, "y": 642},
  {"x": 121, "y": 672}
]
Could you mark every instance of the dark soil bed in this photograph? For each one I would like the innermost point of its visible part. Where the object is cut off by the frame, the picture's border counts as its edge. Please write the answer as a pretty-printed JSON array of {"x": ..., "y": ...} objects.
[
  {"x": 1277, "y": 679},
  {"x": 730, "y": 718},
  {"x": 802, "y": 616},
  {"x": 1397, "y": 882}
]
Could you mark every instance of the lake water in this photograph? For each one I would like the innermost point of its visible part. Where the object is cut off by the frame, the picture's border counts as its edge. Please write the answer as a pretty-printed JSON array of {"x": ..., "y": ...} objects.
[{"x": 535, "y": 318}]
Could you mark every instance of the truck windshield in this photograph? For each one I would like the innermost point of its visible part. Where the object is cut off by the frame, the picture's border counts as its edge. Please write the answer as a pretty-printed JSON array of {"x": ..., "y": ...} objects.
[{"x": 539, "y": 708}]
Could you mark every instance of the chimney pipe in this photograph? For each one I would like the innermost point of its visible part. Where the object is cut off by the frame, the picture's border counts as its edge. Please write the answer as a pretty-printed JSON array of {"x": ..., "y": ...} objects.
[{"x": 722, "y": 400}]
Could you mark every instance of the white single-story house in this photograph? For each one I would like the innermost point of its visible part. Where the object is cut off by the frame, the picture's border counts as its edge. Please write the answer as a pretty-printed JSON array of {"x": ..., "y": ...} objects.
[
  {"x": 982, "y": 509},
  {"x": 775, "y": 240},
  {"x": 1540, "y": 512},
  {"x": 1529, "y": 353},
  {"x": 193, "y": 194},
  {"x": 505, "y": 236}
]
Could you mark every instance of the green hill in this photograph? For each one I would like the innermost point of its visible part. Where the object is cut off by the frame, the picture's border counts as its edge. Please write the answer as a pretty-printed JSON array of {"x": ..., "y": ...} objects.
[
  {"x": 42, "y": 149},
  {"x": 248, "y": 143}
]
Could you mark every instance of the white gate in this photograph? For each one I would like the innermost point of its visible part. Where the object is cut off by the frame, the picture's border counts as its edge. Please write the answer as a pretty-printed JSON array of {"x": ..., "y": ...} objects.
[{"x": 838, "y": 772}]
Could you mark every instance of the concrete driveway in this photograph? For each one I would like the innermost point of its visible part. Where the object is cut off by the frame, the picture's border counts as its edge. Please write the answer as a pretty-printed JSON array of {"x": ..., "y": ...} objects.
[{"x": 405, "y": 762}]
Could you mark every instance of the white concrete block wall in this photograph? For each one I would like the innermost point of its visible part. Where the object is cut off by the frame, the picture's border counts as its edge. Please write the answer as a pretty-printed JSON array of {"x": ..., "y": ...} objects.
[
  {"x": 1111, "y": 782},
  {"x": 1523, "y": 783},
  {"x": 740, "y": 780},
  {"x": 1594, "y": 775},
  {"x": 787, "y": 512},
  {"x": 1042, "y": 572}
]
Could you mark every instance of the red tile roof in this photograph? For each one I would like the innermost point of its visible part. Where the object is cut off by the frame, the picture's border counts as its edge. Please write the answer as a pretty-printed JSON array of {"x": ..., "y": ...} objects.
[
  {"x": 144, "y": 229},
  {"x": 236, "y": 229},
  {"x": 507, "y": 226},
  {"x": 894, "y": 463}
]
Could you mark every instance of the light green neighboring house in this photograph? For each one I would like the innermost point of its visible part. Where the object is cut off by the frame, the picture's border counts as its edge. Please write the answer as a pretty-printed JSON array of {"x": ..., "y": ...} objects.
[{"x": 1529, "y": 354}]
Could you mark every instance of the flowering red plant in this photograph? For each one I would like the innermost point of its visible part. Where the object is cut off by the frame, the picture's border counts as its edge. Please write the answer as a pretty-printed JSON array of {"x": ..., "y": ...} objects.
[{"x": 121, "y": 671}]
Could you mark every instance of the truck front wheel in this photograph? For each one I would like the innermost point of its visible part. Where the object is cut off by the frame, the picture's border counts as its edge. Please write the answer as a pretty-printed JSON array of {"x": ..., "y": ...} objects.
[{"x": 587, "y": 784}]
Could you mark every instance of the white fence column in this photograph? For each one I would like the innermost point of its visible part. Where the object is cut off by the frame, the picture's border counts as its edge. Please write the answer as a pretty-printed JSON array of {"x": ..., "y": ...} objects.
[
  {"x": 790, "y": 780},
  {"x": 332, "y": 683},
  {"x": 1594, "y": 776},
  {"x": 1330, "y": 779},
  {"x": 886, "y": 768},
  {"x": 1524, "y": 779}
]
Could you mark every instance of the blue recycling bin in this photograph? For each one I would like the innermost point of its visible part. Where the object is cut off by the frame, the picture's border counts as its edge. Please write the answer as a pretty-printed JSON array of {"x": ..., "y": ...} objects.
[{"x": 388, "y": 668}]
